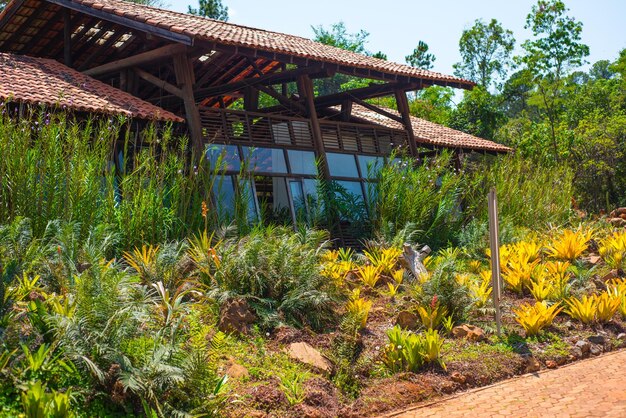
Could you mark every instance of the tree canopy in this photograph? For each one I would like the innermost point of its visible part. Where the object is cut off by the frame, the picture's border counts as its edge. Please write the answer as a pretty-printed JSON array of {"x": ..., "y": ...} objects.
[
  {"x": 421, "y": 58},
  {"x": 485, "y": 52},
  {"x": 213, "y": 9}
]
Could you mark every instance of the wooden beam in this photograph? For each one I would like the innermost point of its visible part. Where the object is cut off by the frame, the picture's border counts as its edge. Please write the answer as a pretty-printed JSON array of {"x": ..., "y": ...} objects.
[
  {"x": 9, "y": 12},
  {"x": 346, "y": 110},
  {"x": 162, "y": 84},
  {"x": 251, "y": 99},
  {"x": 283, "y": 100},
  {"x": 268, "y": 80},
  {"x": 378, "y": 110},
  {"x": 139, "y": 59},
  {"x": 104, "y": 28},
  {"x": 67, "y": 37},
  {"x": 102, "y": 49},
  {"x": 403, "y": 108},
  {"x": 185, "y": 78},
  {"x": 24, "y": 26},
  {"x": 214, "y": 64},
  {"x": 125, "y": 21},
  {"x": 305, "y": 89}
]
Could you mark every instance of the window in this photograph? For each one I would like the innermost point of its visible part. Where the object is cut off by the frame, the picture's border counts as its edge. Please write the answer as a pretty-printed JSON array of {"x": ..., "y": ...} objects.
[
  {"x": 224, "y": 194},
  {"x": 302, "y": 162},
  {"x": 342, "y": 165},
  {"x": 224, "y": 157},
  {"x": 265, "y": 160},
  {"x": 353, "y": 190},
  {"x": 370, "y": 166}
]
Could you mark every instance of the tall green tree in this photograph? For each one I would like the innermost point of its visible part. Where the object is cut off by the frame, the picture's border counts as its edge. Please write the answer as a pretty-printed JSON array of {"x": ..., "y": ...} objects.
[
  {"x": 486, "y": 50},
  {"x": 339, "y": 37},
  {"x": 421, "y": 58},
  {"x": 555, "y": 50},
  {"x": 213, "y": 9}
]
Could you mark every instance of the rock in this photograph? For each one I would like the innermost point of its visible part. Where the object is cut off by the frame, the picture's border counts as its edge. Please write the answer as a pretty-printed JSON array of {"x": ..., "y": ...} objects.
[
  {"x": 305, "y": 353},
  {"x": 621, "y": 336},
  {"x": 532, "y": 365},
  {"x": 618, "y": 222},
  {"x": 569, "y": 325},
  {"x": 407, "y": 320},
  {"x": 584, "y": 347},
  {"x": 596, "y": 350},
  {"x": 597, "y": 339},
  {"x": 551, "y": 364},
  {"x": 458, "y": 377},
  {"x": 618, "y": 212},
  {"x": 576, "y": 352},
  {"x": 236, "y": 316},
  {"x": 572, "y": 357},
  {"x": 561, "y": 360},
  {"x": 237, "y": 371},
  {"x": 471, "y": 332},
  {"x": 594, "y": 259}
]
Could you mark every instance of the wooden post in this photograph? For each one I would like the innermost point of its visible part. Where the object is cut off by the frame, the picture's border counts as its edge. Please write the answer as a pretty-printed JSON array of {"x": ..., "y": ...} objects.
[
  {"x": 251, "y": 99},
  {"x": 346, "y": 110},
  {"x": 495, "y": 256},
  {"x": 186, "y": 80},
  {"x": 403, "y": 108},
  {"x": 67, "y": 37},
  {"x": 305, "y": 88}
]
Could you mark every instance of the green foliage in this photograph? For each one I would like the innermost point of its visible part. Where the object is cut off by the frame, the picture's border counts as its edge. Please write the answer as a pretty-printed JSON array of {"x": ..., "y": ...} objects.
[
  {"x": 278, "y": 271},
  {"x": 213, "y": 9},
  {"x": 424, "y": 197},
  {"x": 479, "y": 113},
  {"x": 485, "y": 52},
  {"x": 527, "y": 193},
  {"x": 410, "y": 352},
  {"x": 58, "y": 169},
  {"x": 421, "y": 58},
  {"x": 449, "y": 296},
  {"x": 38, "y": 403}
]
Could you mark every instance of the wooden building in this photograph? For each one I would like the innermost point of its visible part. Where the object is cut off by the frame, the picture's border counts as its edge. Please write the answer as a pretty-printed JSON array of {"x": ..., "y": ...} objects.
[{"x": 246, "y": 95}]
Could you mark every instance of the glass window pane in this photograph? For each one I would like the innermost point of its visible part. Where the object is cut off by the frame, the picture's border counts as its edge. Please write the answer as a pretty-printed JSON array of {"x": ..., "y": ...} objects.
[
  {"x": 370, "y": 166},
  {"x": 342, "y": 165},
  {"x": 302, "y": 162},
  {"x": 224, "y": 195},
  {"x": 353, "y": 189},
  {"x": 297, "y": 196},
  {"x": 265, "y": 160},
  {"x": 227, "y": 156}
]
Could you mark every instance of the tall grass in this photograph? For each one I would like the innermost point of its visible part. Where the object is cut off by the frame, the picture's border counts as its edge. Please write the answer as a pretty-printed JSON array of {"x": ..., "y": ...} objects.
[
  {"x": 420, "y": 199},
  {"x": 529, "y": 195},
  {"x": 53, "y": 167}
]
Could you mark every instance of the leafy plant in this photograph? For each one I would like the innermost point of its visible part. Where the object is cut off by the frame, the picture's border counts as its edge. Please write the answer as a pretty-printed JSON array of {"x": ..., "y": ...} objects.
[
  {"x": 369, "y": 275},
  {"x": 569, "y": 245},
  {"x": 606, "y": 306},
  {"x": 583, "y": 309},
  {"x": 431, "y": 315},
  {"x": 409, "y": 351},
  {"x": 359, "y": 307},
  {"x": 533, "y": 318},
  {"x": 291, "y": 382}
]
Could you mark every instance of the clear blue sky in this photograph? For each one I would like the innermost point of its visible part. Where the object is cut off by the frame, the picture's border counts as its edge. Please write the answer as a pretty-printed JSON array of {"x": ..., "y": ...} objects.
[{"x": 395, "y": 27}]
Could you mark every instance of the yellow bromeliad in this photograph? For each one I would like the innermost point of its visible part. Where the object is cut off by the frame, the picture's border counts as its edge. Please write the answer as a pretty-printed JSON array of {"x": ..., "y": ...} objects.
[
  {"x": 570, "y": 244},
  {"x": 606, "y": 307},
  {"x": 583, "y": 309},
  {"x": 369, "y": 275},
  {"x": 613, "y": 250},
  {"x": 533, "y": 318},
  {"x": 518, "y": 275}
]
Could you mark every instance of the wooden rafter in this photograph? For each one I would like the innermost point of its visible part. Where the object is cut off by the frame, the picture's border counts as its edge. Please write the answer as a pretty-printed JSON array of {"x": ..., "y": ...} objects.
[
  {"x": 139, "y": 59},
  {"x": 161, "y": 84}
]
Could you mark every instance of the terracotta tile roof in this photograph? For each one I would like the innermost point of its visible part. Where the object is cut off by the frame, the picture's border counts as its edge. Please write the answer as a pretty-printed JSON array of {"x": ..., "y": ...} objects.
[
  {"x": 209, "y": 30},
  {"x": 430, "y": 133},
  {"x": 45, "y": 81}
]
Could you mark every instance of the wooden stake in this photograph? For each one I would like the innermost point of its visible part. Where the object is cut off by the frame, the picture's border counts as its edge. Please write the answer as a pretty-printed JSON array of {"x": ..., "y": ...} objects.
[{"x": 495, "y": 256}]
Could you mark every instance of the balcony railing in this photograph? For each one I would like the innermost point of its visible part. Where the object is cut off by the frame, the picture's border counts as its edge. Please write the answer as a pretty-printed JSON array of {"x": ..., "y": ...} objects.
[{"x": 259, "y": 129}]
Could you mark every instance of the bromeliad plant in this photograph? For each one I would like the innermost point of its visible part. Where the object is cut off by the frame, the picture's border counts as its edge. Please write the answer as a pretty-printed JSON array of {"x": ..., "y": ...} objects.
[
  {"x": 534, "y": 318},
  {"x": 600, "y": 308},
  {"x": 408, "y": 351},
  {"x": 570, "y": 244},
  {"x": 432, "y": 315}
]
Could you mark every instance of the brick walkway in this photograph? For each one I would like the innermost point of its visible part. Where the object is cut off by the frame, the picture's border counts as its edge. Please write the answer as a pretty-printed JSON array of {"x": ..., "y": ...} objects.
[{"x": 590, "y": 388}]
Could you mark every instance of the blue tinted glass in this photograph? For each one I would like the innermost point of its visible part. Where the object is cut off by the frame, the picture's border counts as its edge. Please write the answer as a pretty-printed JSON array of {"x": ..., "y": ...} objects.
[
  {"x": 342, "y": 165},
  {"x": 227, "y": 156},
  {"x": 370, "y": 166},
  {"x": 224, "y": 195},
  {"x": 353, "y": 188},
  {"x": 302, "y": 162},
  {"x": 265, "y": 160}
]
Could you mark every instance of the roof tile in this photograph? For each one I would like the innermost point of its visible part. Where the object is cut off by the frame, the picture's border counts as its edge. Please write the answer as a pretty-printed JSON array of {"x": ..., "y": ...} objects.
[
  {"x": 430, "y": 133},
  {"x": 44, "y": 81}
]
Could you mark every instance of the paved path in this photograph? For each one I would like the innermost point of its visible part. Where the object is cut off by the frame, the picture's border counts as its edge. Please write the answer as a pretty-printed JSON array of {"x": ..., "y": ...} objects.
[{"x": 590, "y": 388}]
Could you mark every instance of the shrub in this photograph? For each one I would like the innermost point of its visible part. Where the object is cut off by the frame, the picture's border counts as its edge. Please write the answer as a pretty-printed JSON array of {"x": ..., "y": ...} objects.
[
  {"x": 424, "y": 197},
  {"x": 569, "y": 245},
  {"x": 279, "y": 273},
  {"x": 443, "y": 287}
]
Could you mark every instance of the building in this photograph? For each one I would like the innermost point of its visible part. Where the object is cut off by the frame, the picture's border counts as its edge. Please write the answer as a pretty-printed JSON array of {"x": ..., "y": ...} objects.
[{"x": 248, "y": 93}]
